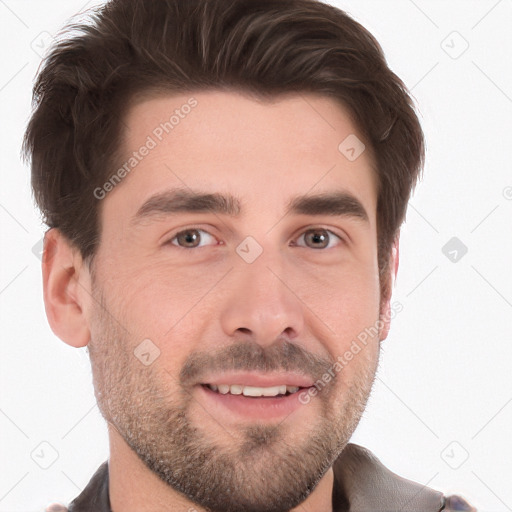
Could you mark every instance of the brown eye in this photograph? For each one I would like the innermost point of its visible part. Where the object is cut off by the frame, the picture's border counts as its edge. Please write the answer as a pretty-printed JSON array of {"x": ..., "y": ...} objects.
[
  {"x": 189, "y": 238},
  {"x": 320, "y": 238}
]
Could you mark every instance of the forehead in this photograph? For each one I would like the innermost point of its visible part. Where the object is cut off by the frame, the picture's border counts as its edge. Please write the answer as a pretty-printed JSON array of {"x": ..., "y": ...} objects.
[{"x": 260, "y": 150}]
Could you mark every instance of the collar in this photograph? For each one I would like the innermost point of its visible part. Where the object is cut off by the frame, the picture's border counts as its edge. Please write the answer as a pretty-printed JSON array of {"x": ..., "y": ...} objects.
[{"x": 363, "y": 484}]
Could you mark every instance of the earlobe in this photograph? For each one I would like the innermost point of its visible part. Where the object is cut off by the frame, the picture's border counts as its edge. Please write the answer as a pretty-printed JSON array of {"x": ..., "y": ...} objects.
[
  {"x": 63, "y": 296},
  {"x": 385, "y": 315}
]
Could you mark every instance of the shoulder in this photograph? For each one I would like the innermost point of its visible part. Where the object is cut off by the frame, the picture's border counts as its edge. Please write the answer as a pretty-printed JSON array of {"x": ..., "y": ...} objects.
[
  {"x": 56, "y": 507},
  {"x": 369, "y": 486},
  {"x": 94, "y": 497}
]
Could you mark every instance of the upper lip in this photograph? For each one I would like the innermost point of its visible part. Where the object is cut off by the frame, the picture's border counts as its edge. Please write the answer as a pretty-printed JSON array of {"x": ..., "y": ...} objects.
[{"x": 264, "y": 380}]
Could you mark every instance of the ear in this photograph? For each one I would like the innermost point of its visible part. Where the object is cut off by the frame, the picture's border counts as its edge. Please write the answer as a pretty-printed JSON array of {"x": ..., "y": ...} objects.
[
  {"x": 65, "y": 286},
  {"x": 385, "y": 315}
]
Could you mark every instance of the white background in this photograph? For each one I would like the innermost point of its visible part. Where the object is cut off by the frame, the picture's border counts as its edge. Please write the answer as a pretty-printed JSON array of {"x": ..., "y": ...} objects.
[{"x": 441, "y": 409}]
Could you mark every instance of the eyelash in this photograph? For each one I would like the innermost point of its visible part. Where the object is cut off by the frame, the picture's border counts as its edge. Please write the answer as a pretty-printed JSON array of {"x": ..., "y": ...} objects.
[{"x": 169, "y": 242}]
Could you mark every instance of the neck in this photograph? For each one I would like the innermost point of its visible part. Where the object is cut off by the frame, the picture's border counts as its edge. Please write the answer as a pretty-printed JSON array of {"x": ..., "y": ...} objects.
[{"x": 135, "y": 488}]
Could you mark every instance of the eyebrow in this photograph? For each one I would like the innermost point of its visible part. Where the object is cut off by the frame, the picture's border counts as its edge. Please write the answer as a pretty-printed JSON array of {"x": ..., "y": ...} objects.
[{"x": 336, "y": 204}]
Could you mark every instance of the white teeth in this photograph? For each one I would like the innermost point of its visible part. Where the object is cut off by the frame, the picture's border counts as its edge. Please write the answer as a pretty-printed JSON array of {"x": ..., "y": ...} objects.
[
  {"x": 224, "y": 388},
  {"x": 273, "y": 391},
  {"x": 237, "y": 389}
]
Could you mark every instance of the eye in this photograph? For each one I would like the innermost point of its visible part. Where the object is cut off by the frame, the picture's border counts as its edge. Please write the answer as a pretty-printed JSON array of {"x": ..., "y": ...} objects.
[
  {"x": 317, "y": 238},
  {"x": 189, "y": 238},
  {"x": 320, "y": 238}
]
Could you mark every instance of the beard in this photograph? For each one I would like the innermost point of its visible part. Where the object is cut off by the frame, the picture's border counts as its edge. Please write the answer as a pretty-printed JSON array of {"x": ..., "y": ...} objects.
[{"x": 253, "y": 468}]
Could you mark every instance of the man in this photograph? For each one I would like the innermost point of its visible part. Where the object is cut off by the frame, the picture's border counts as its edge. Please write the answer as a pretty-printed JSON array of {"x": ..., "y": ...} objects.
[{"x": 224, "y": 183}]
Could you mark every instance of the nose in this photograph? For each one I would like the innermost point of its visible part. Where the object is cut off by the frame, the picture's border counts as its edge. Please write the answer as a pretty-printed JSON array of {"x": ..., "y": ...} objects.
[{"x": 261, "y": 302}]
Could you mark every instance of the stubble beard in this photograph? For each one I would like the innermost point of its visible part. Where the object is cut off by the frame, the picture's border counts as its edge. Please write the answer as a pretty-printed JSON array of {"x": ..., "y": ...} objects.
[{"x": 258, "y": 468}]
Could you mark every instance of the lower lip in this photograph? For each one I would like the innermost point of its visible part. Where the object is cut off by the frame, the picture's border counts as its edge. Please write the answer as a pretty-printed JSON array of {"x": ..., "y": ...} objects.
[{"x": 251, "y": 407}]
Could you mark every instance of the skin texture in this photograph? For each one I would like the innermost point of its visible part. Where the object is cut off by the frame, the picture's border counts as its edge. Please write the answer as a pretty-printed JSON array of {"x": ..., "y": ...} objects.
[{"x": 296, "y": 307}]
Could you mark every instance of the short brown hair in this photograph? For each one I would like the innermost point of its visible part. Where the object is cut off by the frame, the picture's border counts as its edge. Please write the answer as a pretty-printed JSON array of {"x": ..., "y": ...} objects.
[{"x": 263, "y": 47}]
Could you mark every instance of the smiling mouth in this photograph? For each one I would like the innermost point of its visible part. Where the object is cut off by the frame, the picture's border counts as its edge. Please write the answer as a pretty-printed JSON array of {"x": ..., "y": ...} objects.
[{"x": 253, "y": 391}]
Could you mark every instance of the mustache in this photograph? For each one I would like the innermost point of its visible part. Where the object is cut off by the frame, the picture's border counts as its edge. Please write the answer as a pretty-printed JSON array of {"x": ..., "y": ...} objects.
[{"x": 250, "y": 356}]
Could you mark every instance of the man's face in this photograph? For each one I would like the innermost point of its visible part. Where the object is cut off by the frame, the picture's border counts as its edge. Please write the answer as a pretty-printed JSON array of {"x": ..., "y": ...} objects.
[{"x": 252, "y": 297}]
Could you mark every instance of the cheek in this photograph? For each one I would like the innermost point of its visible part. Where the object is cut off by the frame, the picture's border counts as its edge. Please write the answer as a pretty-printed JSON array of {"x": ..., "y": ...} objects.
[
  {"x": 166, "y": 304},
  {"x": 348, "y": 303},
  {"x": 348, "y": 296}
]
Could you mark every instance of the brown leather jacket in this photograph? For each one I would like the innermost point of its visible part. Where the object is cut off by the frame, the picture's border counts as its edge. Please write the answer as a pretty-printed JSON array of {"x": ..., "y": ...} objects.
[{"x": 361, "y": 484}]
